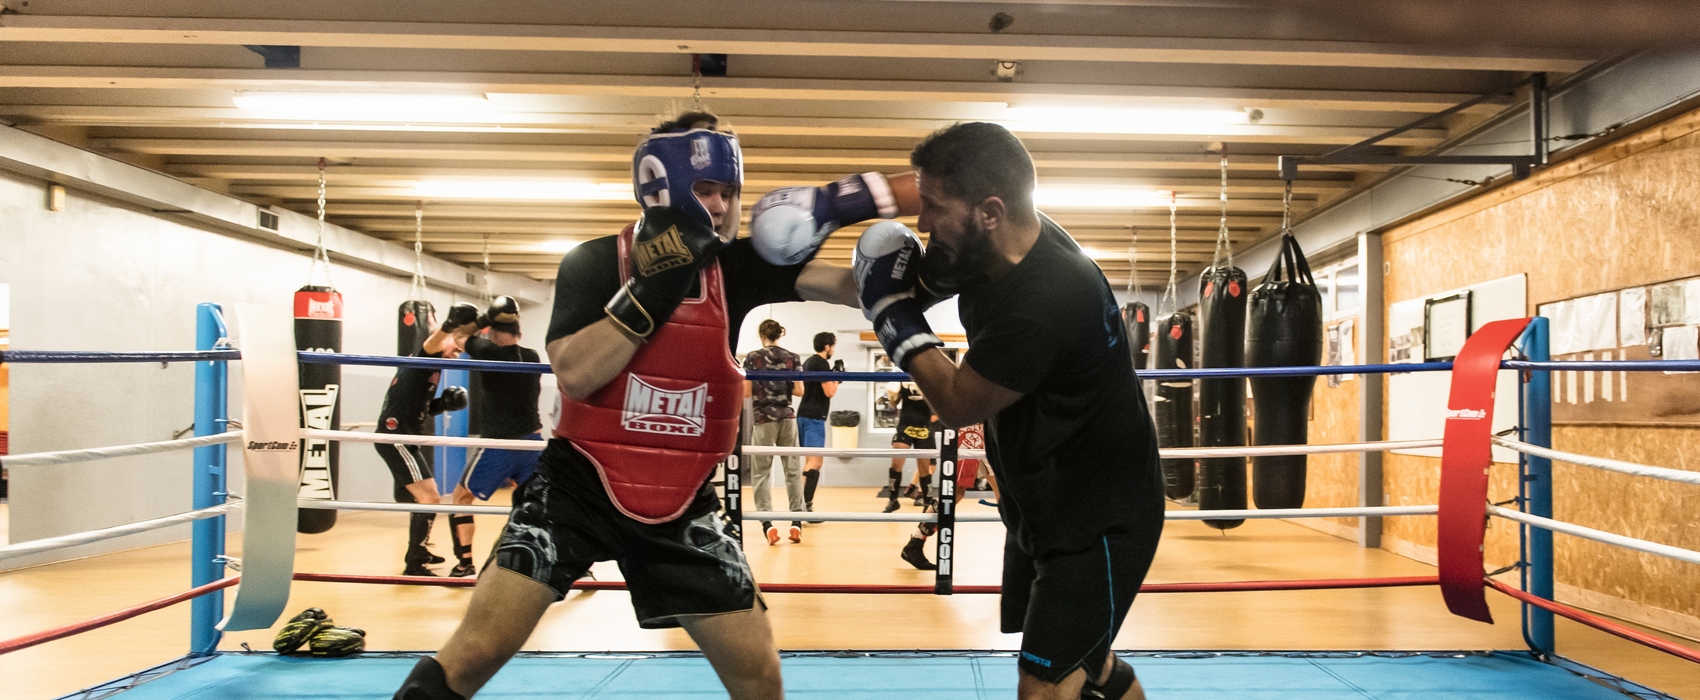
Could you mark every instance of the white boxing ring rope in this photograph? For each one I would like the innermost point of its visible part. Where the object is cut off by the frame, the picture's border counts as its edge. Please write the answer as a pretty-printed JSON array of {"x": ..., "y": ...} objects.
[
  {"x": 42, "y": 459},
  {"x": 81, "y": 538},
  {"x": 1588, "y": 533},
  {"x": 1619, "y": 466}
]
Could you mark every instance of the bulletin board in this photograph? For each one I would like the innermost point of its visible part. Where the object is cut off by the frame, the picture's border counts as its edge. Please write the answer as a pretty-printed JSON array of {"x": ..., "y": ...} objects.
[
  {"x": 1660, "y": 321},
  {"x": 1416, "y": 402}
]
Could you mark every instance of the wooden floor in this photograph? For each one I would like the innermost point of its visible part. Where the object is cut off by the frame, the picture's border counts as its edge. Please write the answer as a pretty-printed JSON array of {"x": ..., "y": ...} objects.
[{"x": 421, "y": 618}]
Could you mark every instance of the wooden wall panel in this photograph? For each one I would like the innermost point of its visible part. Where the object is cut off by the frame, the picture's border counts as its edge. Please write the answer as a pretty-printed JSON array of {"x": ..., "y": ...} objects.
[{"x": 1623, "y": 216}]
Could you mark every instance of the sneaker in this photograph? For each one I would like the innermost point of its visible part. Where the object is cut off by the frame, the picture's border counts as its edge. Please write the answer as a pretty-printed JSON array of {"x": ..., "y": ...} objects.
[
  {"x": 885, "y": 492},
  {"x": 917, "y": 558},
  {"x": 796, "y": 534},
  {"x": 435, "y": 560},
  {"x": 920, "y": 500},
  {"x": 464, "y": 569},
  {"x": 772, "y": 535},
  {"x": 911, "y": 491},
  {"x": 417, "y": 570},
  {"x": 891, "y": 505}
]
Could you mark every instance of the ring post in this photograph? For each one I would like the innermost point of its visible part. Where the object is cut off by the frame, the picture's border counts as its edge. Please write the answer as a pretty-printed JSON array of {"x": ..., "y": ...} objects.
[
  {"x": 1537, "y": 399},
  {"x": 733, "y": 470},
  {"x": 948, "y": 440},
  {"x": 207, "y": 545}
]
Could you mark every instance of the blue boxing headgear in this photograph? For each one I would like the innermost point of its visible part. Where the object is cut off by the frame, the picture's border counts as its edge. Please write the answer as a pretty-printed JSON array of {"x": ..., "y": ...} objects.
[{"x": 669, "y": 163}]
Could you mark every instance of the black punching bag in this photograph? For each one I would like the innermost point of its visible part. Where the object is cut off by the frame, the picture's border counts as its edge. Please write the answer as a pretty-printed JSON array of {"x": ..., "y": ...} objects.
[
  {"x": 1136, "y": 317},
  {"x": 1221, "y": 402},
  {"x": 318, "y": 328},
  {"x": 1285, "y": 330},
  {"x": 1174, "y": 402},
  {"x": 415, "y": 320}
]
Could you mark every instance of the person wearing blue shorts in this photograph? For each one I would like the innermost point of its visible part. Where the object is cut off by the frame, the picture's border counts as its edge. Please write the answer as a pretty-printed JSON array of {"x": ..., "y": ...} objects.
[
  {"x": 811, "y": 412},
  {"x": 504, "y": 407}
]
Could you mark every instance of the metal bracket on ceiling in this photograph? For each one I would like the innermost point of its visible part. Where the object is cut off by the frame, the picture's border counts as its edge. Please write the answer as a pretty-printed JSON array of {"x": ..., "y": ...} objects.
[
  {"x": 1521, "y": 166},
  {"x": 279, "y": 56}
]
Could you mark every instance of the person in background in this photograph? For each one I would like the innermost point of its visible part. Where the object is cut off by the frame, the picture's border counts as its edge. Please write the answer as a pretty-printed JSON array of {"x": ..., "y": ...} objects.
[
  {"x": 775, "y": 424},
  {"x": 504, "y": 407},
  {"x": 812, "y": 412},
  {"x": 915, "y": 421}
]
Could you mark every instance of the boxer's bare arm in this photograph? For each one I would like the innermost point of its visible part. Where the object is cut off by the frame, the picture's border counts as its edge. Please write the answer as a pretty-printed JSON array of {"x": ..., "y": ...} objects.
[
  {"x": 585, "y": 361},
  {"x": 958, "y": 395},
  {"x": 824, "y": 281}
]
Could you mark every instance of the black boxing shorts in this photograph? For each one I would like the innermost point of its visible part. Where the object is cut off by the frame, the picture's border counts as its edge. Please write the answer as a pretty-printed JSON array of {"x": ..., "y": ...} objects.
[
  {"x": 674, "y": 569},
  {"x": 1069, "y": 607},
  {"x": 919, "y": 437}
]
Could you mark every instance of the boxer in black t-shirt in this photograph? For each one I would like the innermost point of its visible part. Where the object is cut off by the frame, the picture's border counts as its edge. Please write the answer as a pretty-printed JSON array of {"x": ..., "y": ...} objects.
[
  {"x": 1049, "y": 372},
  {"x": 915, "y": 421},
  {"x": 813, "y": 409}
]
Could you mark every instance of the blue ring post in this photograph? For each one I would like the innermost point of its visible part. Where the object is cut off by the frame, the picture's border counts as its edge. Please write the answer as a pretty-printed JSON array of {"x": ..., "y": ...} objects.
[
  {"x": 212, "y": 410},
  {"x": 1537, "y": 400}
]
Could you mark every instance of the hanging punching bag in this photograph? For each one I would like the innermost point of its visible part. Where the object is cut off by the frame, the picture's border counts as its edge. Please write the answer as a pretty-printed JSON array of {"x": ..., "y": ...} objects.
[
  {"x": 415, "y": 319},
  {"x": 1221, "y": 402},
  {"x": 1284, "y": 330},
  {"x": 1174, "y": 402},
  {"x": 318, "y": 328},
  {"x": 1136, "y": 317}
]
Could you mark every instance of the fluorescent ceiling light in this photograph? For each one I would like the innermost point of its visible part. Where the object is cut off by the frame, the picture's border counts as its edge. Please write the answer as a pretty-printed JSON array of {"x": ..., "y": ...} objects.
[
  {"x": 525, "y": 189},
  {"x": 1101, "y": 254},
  {"x": 357, "y": 106},
  {"x": 557, "y": 246},
  {"x": 1108, "y": 120},
  {"x": 1100, "y": 197}
]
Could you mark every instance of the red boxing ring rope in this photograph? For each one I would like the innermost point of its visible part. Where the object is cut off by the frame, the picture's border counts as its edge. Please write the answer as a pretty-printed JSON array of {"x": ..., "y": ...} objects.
[
  {"x": 1202, "y": 587},
  {"x": 1602, "y": 625},
  {"x": 29, "y": 640}
]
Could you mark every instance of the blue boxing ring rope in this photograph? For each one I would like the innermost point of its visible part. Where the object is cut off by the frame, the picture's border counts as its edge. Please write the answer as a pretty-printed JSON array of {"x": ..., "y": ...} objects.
[{"x": 212, "y": 355}]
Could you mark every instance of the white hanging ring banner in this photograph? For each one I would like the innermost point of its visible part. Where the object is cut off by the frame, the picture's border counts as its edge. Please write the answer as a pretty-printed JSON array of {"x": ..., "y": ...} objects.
[{"x": 271, "y": 446}]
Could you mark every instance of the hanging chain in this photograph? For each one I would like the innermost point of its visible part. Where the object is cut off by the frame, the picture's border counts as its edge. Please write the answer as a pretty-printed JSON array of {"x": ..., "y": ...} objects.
[
  {"x": 417, "y": 289},
  {"x": 1133, "y": 289},
  {"x": 696, "y": 83},
  {"x": 488, "y": 297},
  {"x": 1169, "y": 295},
  {"x": 321, "y": 258},
  {"x": 1287, "y": 208},
  {"x": 1222, "y": 242}
]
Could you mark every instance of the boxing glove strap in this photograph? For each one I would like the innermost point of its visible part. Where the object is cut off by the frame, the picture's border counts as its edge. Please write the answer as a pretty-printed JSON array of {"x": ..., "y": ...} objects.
[
  {"x": 903, "y": 331},
  {"x": 639, "y": 316}
]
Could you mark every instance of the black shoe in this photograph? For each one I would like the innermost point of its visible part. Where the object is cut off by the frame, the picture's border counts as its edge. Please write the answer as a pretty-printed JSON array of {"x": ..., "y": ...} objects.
[
  {"x": 417, "y": 570},
  {"x": 920, "y": 500},
  {"x": 464, "y": 569},
  {"x": 885, "y": 492},
  {"x": 912, "y": 553},
  {"x": 911, "y": 491},
  {"x": 435, "y": 560},
  {"x": 891, "y": 505}
]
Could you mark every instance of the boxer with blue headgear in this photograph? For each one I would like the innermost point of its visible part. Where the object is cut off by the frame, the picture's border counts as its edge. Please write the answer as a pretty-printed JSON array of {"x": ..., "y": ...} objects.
[{"x": 670, "y": 163}]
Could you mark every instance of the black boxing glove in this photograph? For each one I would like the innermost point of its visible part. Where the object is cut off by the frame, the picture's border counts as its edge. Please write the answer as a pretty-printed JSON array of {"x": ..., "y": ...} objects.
[
  {"x": 670, "y": 248},
  {"x": 503, "y": 314},
  {"x": 838, "y": 365},
  {"x": 453, "y": 399},
  {"x": 935, "y": 284},
  {"x": 459, "y": 315}
]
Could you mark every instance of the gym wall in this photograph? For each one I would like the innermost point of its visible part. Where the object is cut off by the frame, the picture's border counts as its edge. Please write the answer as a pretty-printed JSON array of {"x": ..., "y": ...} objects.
[
  {"x": 101, "y": 275},
  {"x": 1622, "y": 216}
]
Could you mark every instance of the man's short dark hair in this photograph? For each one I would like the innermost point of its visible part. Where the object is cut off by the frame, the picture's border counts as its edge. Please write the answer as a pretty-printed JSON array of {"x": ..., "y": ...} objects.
[
  {"x": 770, "y": 330},
  {"x": 977, "y": 160},
  {"x": 824, "y": 341}
]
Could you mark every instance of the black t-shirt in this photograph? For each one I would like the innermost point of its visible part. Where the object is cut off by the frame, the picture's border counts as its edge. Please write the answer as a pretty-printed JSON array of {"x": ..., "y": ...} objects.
[
  {"x": 590, "y": 274},
  {"x": 1076, "y": 455},
  {"x": 407, "y": 403},
  {"x": 504, "y": 404},
  {"x": 815, "y": 403},
  {"x": 915, "y": 410}
]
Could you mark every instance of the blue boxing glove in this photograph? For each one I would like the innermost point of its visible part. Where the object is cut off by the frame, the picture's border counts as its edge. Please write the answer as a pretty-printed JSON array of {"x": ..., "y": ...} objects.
[
  {"x": 788, "y": 225},
  {"x": 887, "y": 265}
]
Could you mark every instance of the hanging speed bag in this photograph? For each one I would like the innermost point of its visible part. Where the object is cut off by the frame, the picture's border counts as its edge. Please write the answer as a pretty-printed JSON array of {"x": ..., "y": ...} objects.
[
  {"x": 414, "y": 321},
  {"x": 1174, "y": 402},
  {"x": 1136, "y": 318},
  {"x": 1285, "y": 330},
  {"x": 1221, "y": 402},
  {"x": 318, "y": 328}
]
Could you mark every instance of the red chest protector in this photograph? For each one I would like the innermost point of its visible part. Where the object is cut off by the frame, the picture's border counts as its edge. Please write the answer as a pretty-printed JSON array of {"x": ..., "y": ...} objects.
[{"x": 657, "y": 430}]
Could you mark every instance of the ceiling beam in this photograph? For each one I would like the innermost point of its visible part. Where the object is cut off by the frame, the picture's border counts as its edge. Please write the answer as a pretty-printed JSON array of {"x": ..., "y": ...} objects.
[
  {"x": 781, "y": 42},
  {"x": 679, "y": 87},
  {"x": 627, "y": 124}
]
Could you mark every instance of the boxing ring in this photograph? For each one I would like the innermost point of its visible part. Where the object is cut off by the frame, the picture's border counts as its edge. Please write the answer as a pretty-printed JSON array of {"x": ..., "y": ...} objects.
[{"x": 1536, "y": 672}]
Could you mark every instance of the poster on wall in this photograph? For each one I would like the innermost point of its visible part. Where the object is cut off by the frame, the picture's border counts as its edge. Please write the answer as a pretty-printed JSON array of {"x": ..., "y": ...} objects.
[
  {"x": 1637, "y": 323},
  {"x": 1416, "y": 401}
]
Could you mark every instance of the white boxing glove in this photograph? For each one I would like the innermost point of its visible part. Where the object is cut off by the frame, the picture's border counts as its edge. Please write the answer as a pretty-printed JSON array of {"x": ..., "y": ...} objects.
[{"x": 788, "y": 225}]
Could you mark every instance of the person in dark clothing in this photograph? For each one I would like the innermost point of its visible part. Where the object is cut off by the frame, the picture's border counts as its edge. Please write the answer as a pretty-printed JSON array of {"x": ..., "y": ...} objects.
[
  {"x": 813, "y": 409},
  {"x": 1050, "y": 373},
  {"x": 915, "y": 421},
  {"x": 408, "y": 405},
  {"x": 504, "y": 407}
]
